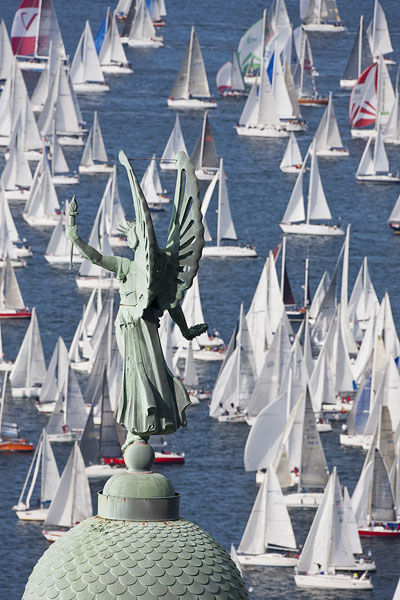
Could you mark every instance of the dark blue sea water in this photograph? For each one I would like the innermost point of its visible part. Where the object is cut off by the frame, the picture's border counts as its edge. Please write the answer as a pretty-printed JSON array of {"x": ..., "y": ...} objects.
[{"x": 216, "y": 492}]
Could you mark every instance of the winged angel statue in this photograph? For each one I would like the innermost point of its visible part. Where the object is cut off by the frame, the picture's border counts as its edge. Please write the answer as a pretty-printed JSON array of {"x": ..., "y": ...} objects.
[{"x": 153, "y": 400}]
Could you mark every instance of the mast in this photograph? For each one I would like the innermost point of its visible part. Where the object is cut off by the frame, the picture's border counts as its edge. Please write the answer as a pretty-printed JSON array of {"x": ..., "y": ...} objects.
[
  {"x": 309, "y": 185},
  {"x": 374, "y": 28},
  {"x": 283, "y": 265},
  {"x": 263, "y": 72},
  {"x": 221, "y": 166},
  {"x": 360, "y": 45},
  {"x": 189, "y": 62},
  {"x": 203, "y": 135},
  {"x": 35, "y": 53},
  {"x": 306, "y": 274},
  {"x": 239, "y": 348}
]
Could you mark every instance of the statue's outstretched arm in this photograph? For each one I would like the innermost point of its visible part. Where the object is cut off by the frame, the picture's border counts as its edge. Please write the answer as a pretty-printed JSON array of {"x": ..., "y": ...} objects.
[
  {"x": 188, "y": 332},
  {"x": 107, "y": 262}
]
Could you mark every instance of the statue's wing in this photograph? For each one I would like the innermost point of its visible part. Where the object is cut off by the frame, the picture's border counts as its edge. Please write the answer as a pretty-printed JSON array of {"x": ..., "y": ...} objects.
[
  {"x": 147, "y": 252},
  {"x": 185, "y": 236}
]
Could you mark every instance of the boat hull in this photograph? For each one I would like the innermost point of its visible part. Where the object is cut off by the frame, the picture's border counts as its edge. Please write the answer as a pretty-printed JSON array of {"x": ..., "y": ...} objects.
[
  {"x": 145, "y": 43},
  {"x": 95, "y": 168},
  {"x": 269, "y": 559},
  {"x": 193, "y": 103},
  {"x": 62, "y": 260},
  {"x": 20, "y": 195},
  {"x": 40, "y": 221},
  {"x": 68, "y": 436},
  {"x": 337, "y": 581},
  {"x": 334, "y": 152},
  {"x": 39, "y": 514},
  {"x": 16, "y": 314},
  {"x": 229, "y": 252},
  {"x": 117, "y": 70},
  {"x": 205, "y": 174},
  {"x": 390, "y": 530},
  {"x": 324, "y": 27},
  {"x": 389, "y": 178},
  {"x": 54, "y": 535},
  {"x": 104, "y": 283},
  {"x": 347, "y": 84},
  {"x": 266, "y": 132},
  {"x": 71, "y": 140},
  {"x": 363, "y": 133},
  {"x": 304, "y": 500},
  {"x": 26, "y": 392},
  {"x": 313, "y": 101},
  {"x": 310, "y": 229},
  {"x": 65, "y": 179},
  {"x": 90, "y": 88},
  {"x": 291, "y": 169},
  {"x": 16, "y": 445},
  {"x": 356, "y": 441}
]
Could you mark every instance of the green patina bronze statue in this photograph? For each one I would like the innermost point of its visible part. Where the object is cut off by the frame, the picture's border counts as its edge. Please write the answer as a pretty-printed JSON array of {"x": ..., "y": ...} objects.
[{"x": 153, "y": 400}]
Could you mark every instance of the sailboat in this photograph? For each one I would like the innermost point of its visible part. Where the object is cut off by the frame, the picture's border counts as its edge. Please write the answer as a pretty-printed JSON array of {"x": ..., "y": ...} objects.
[
  {"x": 31, "y": 35},
  {"x": 249, "y": 51},
  {"x": 225, "y": 226},
  {"x": 58, "y": 249},
  {"x": 328, "y": 547},
  {"x": 151, "y": 186},
  {"x": 295, "y": 220},
  {"x": 86, "y": 74},
  {"x": 29, "y": 368},
  {"x": 268, "y": 540},
  {"x": 45, "y": 82},
  {"x": 229, "y": 79},
  {"x": 142, "y": 33},
  {"x": 394, "y": 218},
  {"x": 94, "y": 158},
  {"x": 259, "y": 117},
  {"x": 69, "y": 416},
  {"x": 378, "y": 34},
  {"x": 304, "y": 77},
  {"x": 157, "y": 12},
  {"x": 360, "y": 58},
  {"x": 327, "y": 137},
  {"x": 204, "y": 156},
  {"x": 375, "y": 168},
  {"x": 42, "y": 207},
  {"x": 16, "y": 177},
  {"x": 236, "y": 377},
  {"x": 54, "y": 378},
  {"x": 6, "y": 54},
  {"x": 43, "y": 460},
  {"x": 112, "y": 55},
  {"x": 10, "y": 434},
  {"x": 292, "y": 160},
  {"x": 12, "y": 305},
  {"x": 60, "y": 171},
  {"x": 72, "y": 502},
  {"x": 175, "y": 144},
  {"x": 322, "y": 16},
  {"x": 191, "y": 86}
]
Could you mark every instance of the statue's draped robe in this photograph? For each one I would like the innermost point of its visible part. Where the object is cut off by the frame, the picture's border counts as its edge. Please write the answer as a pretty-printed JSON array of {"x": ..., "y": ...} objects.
[{"x": 152, "y": 399}]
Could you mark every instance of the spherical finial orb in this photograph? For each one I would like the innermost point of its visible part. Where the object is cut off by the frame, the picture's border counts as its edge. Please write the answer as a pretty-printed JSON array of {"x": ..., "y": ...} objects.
[{"x": 139, "y": 456}]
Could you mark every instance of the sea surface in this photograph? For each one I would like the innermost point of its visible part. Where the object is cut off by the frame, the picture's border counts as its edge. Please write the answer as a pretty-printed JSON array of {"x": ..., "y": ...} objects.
[{"x": 216, "y": 491}]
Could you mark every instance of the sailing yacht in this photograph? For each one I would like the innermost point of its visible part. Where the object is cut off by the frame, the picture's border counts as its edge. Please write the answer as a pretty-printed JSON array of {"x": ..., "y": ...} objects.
[
  {"x": 29, "y": 369},
  {"x": 68, "y": 418},
  {"x": 54, "y": 378},
  {"x": 58, "y": 249},
  {"x": 327, "y": 137},
  {"x": 204, "y": 156},
  {"x": 46, "y": 79},
  {"x": 112, "y": 55},
  {"x": 259, "y": 117},
  {"x": 142, "y": 33},
  {"x": 94, "y": 158},
  {"x": 360, "y": 58},
  {"x": 16, "y": 177},
  {"x": 322, "y": 16},
  {"x": 6, "y": 54},
  {"x": 292, "y": 160},
  {"x": 191, "y": 86},
  {"x": 10, "y": 433},
  {"x": 31, "y": 36},
  {"x": 225, "y": 226},
  {"x": 43, "y": 459},
  {"x": 229, "y": 79},
  {"x": 378, "y": 34},
  {"x": 60, "y": 171},
  {"x": 304, "y": 77},
  {"x": 375, "y": 168},
  {"x": 12, "y": 304},
  {"x": 151, "y": 186},
  {"x": 328, "y": 547},
  {"x": 42, "y": 207},
  {"x": 175, "y": 144},
  {"x": 72, "y": 502},
  {"x": 295, "y": 220},
  {"x": 86, "y": 74},
  {"x": 268, "y": 540},
  {"x": 394, "y": 218},
  {"x": 249, "y": 51}
]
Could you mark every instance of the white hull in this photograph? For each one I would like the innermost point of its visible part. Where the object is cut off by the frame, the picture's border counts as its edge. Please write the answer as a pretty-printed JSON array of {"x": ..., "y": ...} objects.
[
  {"x": 90, "y": 88},
  {"x": 324, "y": 427},
  {"x": 16, "y": 262},
  {"x": 229, "y": 252},
  {"x": 84, "y": 366},
  {"x": 336, "y": 152},
  {"x": 389, "y": 178},
  {"x": 232, "y": 419},
  {"x": 309, "y": 229},
  {"x": 363, "y": 133},
  {"x": 250, "y": 79},
  {"x": 260, "y": 476},
  {"x": 324, "y": 27},
  {"x": 71, "y": 140},
  {"x": 6, "y": 365},
  {"x": 269, "y": 559},
  {"x": 53, "y": 536},
  {"x": 347, "y": 84},
  {"x": 168, "y": 166},
  {"x": 62, "y": 260},
  {"x": 21, "y": 195},
  {"x": 117, "y": 242},
  {"x": 304, "y": 500},
  {"x": 337, "y": 581},
  {"x": 33, "y": 155},
  {"x": 205, "y": 174},
  {"x": 93, "y": 169},
  {"x": 104, "y": 283},
  {"x": 194, "y": 103},
  {"x": 100, "y": 471},
  {"x": 291, "y": 169},
  {"x": 339, "y": 407},
  {"x": 26, "y": 392},
  {"x": 294, "y": 125},
  {"x": 208, "y": 355},
  {"x": 46, "y": 408},
  {"x": 68, "y": 436},
  {"x": 116, "y": 69},
  {"x": 41, "y": 221},
  {"x": 361, "y": 565},
  {"x": 32, "y": 65},
  {"x": 65, "y": 179},
  {"x": 268, "y": 132},
  {"x": 157, "y": 43},
  {"x": 356, "y": 441},
  {"x": 39, "y": 514}
]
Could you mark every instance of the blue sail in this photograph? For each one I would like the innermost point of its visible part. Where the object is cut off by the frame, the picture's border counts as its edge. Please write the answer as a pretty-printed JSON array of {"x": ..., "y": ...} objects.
[
  {"x": 362, "y": 407},
  {"x": 101, "y": 34}
]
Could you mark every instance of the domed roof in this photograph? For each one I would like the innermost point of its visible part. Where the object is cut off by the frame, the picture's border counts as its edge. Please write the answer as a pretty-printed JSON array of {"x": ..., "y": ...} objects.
[{"x": 103, "y": 559}]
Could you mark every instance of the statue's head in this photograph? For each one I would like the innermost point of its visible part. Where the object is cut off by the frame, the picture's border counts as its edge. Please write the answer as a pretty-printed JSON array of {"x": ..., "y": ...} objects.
[{"x": 132, "y": 237}]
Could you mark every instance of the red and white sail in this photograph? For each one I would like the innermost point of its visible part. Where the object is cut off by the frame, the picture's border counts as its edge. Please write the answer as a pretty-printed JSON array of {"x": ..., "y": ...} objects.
[
  {"x": 364, "y": 98},
  {"x": 24, "y": 29}
]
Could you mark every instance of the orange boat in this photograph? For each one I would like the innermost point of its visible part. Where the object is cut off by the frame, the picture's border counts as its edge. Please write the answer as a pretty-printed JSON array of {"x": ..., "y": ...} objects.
[{"x": 16, "y": 445}]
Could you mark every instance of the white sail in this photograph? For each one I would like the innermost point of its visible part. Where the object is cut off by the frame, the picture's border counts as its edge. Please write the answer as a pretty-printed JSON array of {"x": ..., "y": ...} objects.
[
  {"x": 360, "y": 56},
  {"x": 142, "y": 29},
  {"x": 6, "y": 53},
  {"x": 42, "y": 202},
  {"x": 295, "y": 209},
  {"x": 175, "y": 144},
  {"x": 292, "y": 156},
  {"x": 72, "y": 502},
  {"x": 190, "y": 378},
  {"x": 378, "y": 33},
  {"x": 193, "y": 312},
  {"x": 29, "y": 368},
  {"x": 327, "y": 135},
  {"x": 313, "y": 467},
  {"x": 55, "y": 374},
  {"x": 112, "y": 51},
  {"x": 363, "y": 297},
  {"x": 17, "y": 173},
  {"x": 380, "y": 162},
  {"x": 94, "y": 151},
  {"x": 352, "y": 529},
  {"x": 46, "y": 79},
  {"x": 85, "y": 66},
  {"x": 269, "y": 522},
  {"x": 317, "y": 205},
  {"x": 10, "y": 294},
  {"x": 250, "y": 47}
]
